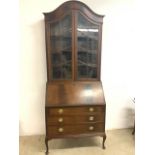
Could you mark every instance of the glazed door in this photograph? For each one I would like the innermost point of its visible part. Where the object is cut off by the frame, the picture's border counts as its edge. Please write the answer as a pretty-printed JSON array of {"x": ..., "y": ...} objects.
[
  {"x": 60, "y": 54},
  {"x": 87, "y": 49}
]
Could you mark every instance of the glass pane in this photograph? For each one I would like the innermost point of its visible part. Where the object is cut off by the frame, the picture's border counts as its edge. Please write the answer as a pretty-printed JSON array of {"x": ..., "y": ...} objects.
[
  {"x": 87, "y": 33},
  {"x": 61, "y": 45}
]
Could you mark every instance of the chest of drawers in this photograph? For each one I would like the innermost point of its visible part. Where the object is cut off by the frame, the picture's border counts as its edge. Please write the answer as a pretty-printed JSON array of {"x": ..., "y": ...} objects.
[
  {"x": 72, "y": 121},
  {"x": 75, "y": 109}
]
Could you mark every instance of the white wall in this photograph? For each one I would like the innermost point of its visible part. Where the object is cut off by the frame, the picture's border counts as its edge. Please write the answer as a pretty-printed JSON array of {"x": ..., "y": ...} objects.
[{"x": 117, "y": 62}]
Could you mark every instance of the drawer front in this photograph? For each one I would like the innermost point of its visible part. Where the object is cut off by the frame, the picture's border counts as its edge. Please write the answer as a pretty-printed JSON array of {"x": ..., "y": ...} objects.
[
  {"x": 87, "y": 110},
  {"x": 55, "y": 120},
  {"x": 64, "y": 130}
]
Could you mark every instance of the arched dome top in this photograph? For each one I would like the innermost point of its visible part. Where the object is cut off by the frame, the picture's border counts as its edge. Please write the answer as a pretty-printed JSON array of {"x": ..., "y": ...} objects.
[{"x": 73, "y": 5}]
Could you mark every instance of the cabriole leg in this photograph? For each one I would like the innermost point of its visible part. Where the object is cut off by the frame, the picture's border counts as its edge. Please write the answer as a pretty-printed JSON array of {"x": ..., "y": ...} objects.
[
  {"x": 104, "y": 138},
  {"x": 46, "y": 143}
]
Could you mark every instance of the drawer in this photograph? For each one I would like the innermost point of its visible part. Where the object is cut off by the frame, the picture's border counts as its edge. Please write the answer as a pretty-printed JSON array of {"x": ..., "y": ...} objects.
[
  {"x": 87, "y": 110},
  {"x": 53, "y": 120},
  {"x": 64, "y": 130}
]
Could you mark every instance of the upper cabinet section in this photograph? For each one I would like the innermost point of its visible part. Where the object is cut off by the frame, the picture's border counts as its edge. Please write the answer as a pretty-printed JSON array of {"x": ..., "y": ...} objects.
[{"x": 73, "y": 42}]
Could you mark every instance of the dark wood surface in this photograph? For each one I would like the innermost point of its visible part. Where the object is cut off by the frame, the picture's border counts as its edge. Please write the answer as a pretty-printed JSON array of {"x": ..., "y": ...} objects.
[
  {"x": 75, "y": 121},
  {"x": 73, "y": 5},
  {"x": 74, "y": 93},
  {"x": 75, "y": 109},
  {"x": 55, "y": 120},
  {"x": 76, "y": 129}
]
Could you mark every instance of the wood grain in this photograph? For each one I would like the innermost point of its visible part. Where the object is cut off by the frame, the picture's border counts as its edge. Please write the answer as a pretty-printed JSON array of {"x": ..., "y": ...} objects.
[{"x": 74, "y": 94}]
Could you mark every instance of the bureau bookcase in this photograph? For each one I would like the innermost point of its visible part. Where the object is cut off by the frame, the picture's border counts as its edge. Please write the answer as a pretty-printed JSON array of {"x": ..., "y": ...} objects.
[{"x": 75, "y": 103}]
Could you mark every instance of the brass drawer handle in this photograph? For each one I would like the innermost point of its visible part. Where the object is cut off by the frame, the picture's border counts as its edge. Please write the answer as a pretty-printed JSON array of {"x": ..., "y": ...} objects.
[
  {"x": 91, "y": 118},
  {"x": 91, "y": 128},
  {"x": 60, "y": 119},
  {"x": 91, "y": 109},
  {"x": 60, "y": 129},
  {"x": 60, "y": 111}
]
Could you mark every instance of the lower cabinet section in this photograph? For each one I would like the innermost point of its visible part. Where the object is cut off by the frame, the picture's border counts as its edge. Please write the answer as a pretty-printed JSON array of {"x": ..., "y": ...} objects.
[
  {"x": 77, "y": 121},
  {"x": 75, "y": 109}
]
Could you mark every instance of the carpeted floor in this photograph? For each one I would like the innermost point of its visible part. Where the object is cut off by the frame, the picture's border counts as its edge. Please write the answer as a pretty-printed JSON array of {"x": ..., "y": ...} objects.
[{"x": 118, "y": 142}]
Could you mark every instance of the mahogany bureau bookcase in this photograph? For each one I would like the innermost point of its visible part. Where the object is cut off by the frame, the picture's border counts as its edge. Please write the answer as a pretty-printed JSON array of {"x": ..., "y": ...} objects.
[{"x": 75, "y": 104}]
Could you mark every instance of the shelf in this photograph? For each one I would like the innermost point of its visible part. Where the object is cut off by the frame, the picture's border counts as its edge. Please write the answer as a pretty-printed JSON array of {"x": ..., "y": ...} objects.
[
  {"x": 61, "y": 49},
  {"x": 86, "y": 36},
  {"x": 85, "y": 50},
  {"x": 61, "y": 30},
  {"x": 81, "y": 63},
  {"x": 67, "y": 63},
  {"x": 62, "y": 37}
]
